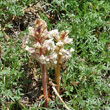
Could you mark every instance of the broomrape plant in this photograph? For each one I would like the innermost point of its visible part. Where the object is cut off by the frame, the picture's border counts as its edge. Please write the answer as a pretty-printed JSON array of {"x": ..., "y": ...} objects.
[{"x": 47, "y": 48}]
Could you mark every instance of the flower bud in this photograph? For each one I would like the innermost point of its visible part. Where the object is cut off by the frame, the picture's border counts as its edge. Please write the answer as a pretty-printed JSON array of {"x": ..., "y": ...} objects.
[
  {"x": 60, "y": 43},
  {"x": 64, "y": 34}
]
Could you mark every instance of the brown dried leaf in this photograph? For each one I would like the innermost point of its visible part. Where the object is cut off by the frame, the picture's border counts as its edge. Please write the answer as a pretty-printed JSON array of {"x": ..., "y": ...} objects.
[{"x": 6, "y": 37}]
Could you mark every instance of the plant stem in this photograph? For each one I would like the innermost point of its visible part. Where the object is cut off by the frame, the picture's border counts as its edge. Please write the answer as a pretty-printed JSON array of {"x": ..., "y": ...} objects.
[
  {"x": 57, "y": 72},
  {"x": 44, "y": 81}
]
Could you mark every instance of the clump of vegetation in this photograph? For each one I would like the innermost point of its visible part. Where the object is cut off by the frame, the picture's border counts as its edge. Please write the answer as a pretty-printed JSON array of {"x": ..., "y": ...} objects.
[{"x": 84, "y": 82}]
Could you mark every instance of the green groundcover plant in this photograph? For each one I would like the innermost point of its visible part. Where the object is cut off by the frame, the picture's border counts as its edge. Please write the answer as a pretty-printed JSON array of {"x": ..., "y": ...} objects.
[{"x": 85, "y": 82}]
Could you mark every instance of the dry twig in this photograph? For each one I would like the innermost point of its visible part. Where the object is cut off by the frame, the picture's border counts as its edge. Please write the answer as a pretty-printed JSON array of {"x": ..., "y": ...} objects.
[{"x": 53, "y": 87}]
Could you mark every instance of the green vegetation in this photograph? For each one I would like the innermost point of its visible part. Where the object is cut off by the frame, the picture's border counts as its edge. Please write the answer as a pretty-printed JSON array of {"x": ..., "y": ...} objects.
[{"x": 85, "y": 83}]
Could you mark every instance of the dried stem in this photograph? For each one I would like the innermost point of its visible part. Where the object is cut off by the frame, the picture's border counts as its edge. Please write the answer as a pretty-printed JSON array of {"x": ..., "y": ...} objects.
[
  {"x": 44, "y": 80},
  {"x": 53, "y": 87}
]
